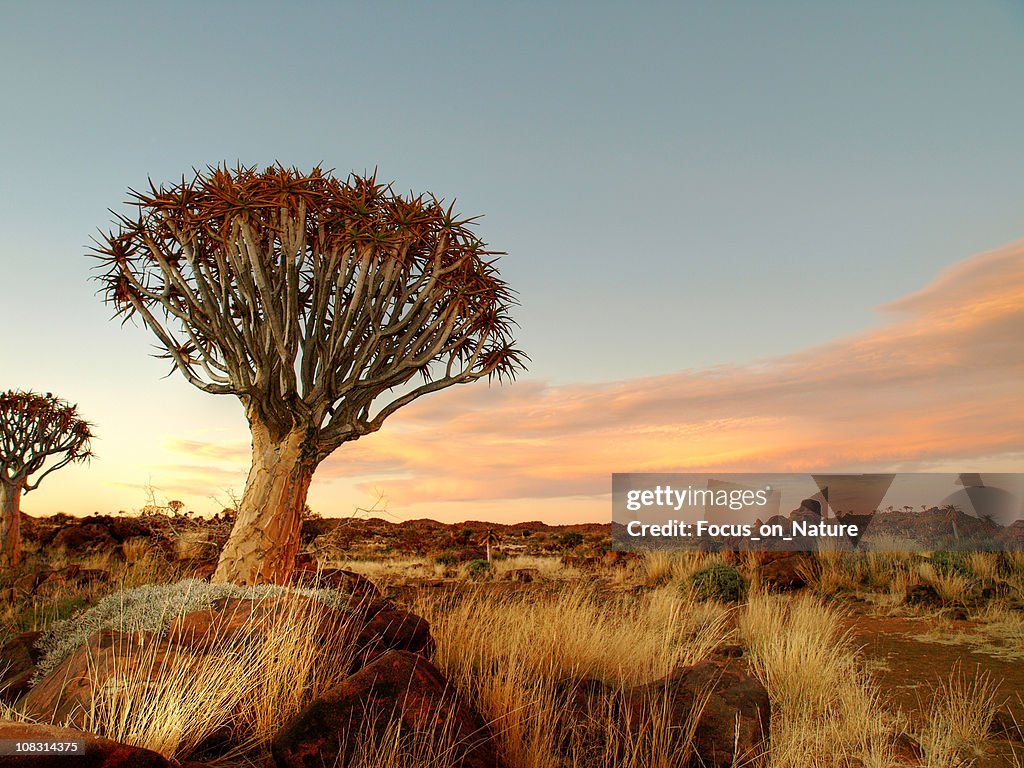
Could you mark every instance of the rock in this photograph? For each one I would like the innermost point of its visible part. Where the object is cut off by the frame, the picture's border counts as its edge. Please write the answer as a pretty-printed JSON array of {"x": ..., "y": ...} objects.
[
  {"x": 393, "y": 629},
  {"x": 398, "y": 685},
  {"x": 1004, "y": 726},
  {"x": 46, "y": 581},
  {"x": 924, "y": 595},
  {"x": 19, "y": 653},
  {"x": 786, "y": 570},
  {"x": 98, "y": 752},
  {"x": 65, "y": 693},
  {"x": 524, "y": 575},
  {"x": 195, "y": 545},
  {"x": 13, "y": 687},
  {"x": 84, "y": 537},
  {"x": 308, "y": 575},
  {"x": 906, "y": 750},
  {"x": 231, "y": 618},
  {"x": 204, "y": 571},
  {"x": 18, "y": 659},
  {"x": 734, "y": 722}
]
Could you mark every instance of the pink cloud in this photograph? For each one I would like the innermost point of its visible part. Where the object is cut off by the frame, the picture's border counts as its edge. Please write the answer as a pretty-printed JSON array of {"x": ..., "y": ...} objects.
[{"x": 941, "y": 379}]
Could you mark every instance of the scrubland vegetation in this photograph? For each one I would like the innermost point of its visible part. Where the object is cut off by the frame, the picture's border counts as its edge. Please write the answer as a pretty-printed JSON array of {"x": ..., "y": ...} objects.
[{"x": 552, "y": 654}]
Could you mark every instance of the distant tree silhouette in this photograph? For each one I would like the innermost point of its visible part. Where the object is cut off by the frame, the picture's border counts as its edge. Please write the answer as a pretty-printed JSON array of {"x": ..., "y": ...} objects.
[
  {"x": 39, "y": 434},
  {"x": 952, "y": 513},
  {"x": 489, "y": 539},
  {"x": 310, "y": 299}
]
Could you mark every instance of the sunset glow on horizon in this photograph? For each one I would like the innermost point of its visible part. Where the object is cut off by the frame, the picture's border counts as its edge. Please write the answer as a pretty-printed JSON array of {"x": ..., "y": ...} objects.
[{"x": 937, "y": 385}]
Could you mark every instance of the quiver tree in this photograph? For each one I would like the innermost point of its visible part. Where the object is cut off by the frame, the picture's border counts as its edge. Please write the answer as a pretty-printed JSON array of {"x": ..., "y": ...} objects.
[
  {"x": 323, "y": 305},
  {"x": 39, "y": 434},
  {"x": 489, "y": 539}
]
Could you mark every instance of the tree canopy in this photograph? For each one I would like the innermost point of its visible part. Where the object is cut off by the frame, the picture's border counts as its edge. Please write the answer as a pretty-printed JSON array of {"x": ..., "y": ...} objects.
[{"x": 308, "y": 296}]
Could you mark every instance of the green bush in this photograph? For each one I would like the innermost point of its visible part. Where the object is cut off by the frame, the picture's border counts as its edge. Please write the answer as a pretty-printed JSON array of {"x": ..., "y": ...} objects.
[
  {"x": 448, "y": 558},
  {"x": 719, "y": 582},
  {"x": 570, "y": 540},
  {"x": 953, "y": 564},
  {"x": 477, "y": 568}
]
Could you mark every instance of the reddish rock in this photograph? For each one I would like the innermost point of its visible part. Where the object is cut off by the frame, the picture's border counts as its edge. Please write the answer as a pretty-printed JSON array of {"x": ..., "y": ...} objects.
[
  {"x": 19, "y": 653},
  {"x": 906, "y": 750},
  {"x": 734, "y": 720},
  {"x": 524, "y": 575},
  {"x": 308, "y": 575},
  {"x": 787, "y": 570},
  {"x": 98, "y": 752},
  {"x": 924, "y": 594},
  {"x": 393, "y": 629},
  {"x": 18, "y": 659},
  {"x": 231, "y": 618},
  {"x": 80, "y": 538},
  {"x": 65, "y": 693},
  {"x": 398, "y": 686},
  {"x": 13, "y": 687}
]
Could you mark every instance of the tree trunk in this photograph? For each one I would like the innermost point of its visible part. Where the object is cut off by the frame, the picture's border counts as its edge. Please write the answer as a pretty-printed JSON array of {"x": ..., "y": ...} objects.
[
  {"x": 488, "y": 545},
  {"x": 265, "y": 537},
  {"x": 10, "y": 524}
]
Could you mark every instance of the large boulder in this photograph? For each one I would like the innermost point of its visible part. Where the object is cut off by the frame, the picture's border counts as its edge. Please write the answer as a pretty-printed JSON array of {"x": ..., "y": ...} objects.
[
  {"x": 84, "y": 537},
  {"x": 96, "y": 752},
  {"x": 18, "y": 659},
  {"x": 351, "y": 635},
  {"x": 392, "y": 629},
  {"x": 66, "y": 693},
  {"x": 734, "y": 710},
  {"x": 231, "y": 618},
  {"x": 48, "y": 581},
  {"x": 398, "y": 686},
  {"x": 308, "y": 574}
]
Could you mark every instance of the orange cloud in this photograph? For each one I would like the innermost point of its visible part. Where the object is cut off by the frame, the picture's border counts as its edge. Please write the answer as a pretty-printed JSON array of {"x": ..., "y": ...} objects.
[{"x": 939, "y": 384}]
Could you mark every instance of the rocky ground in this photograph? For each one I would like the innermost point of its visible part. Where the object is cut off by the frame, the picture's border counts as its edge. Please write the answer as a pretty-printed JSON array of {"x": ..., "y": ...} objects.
[{"x": 400, "y": 644}]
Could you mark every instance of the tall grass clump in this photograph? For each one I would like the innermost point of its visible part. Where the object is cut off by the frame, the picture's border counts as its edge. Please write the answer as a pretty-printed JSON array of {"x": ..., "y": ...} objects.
[
  {"x": 529, "y": 663},
  {"x": 959, "y": 717},
  {"x": 824, "y": 710},
  {"x": 246, "y": 684}
]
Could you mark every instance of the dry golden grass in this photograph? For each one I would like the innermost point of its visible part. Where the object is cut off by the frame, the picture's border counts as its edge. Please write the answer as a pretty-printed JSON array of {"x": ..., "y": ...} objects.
[
  {"x": 520, "y": 657},
  {"x": 960, "y": 714},
  {"x": 825, "y": 712},
  {"x": 520, "y": 654},
  {"x": 253, "y": 683},
  {"x": 951, "y": 587},
  {"x": 396, "y": 570}
]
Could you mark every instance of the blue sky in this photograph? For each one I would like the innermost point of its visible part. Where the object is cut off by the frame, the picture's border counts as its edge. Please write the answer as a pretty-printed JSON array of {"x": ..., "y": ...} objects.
[{"x": 678, "y": 185}]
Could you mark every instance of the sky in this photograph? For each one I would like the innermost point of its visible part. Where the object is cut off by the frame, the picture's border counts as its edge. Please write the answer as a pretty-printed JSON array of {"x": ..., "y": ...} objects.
[{"x": 745, "y": 236}]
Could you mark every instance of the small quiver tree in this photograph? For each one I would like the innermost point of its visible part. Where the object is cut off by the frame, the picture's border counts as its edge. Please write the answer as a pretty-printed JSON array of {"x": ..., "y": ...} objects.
[
  {"x": 39, "y": 434},
  {"x": 489, "y": 539},
  {"x": 323, "y": 305}
]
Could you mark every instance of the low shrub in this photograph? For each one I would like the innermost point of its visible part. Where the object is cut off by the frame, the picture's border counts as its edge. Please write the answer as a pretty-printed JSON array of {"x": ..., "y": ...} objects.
[
  {"x": 719, "y": 582},
  {"x": 953, "y": 564}
]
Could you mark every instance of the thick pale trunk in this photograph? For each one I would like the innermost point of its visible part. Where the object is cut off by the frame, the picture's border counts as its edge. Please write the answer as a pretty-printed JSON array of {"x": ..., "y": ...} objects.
[
  {"x": 265, "y": 538},
  {"x": 10, "y": 524}
]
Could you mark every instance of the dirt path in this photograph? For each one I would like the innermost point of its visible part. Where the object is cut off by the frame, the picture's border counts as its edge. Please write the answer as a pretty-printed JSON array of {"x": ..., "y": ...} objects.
[{"x": 908, "y": 668}]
